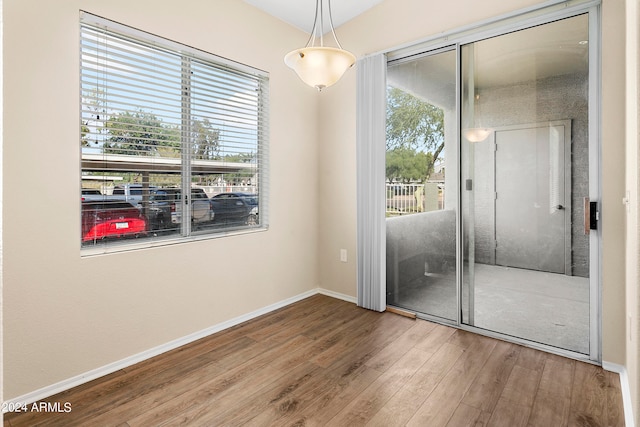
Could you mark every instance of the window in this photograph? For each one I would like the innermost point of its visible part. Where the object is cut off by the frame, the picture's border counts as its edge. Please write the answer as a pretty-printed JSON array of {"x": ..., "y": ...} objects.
[{"x": 167, "y": 132}]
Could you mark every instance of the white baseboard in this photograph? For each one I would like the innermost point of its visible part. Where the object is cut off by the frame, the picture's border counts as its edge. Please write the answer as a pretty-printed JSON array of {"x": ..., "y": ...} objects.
[
  {"x": 626, "y": 391},
  {"x": 338, "y": 295},
  {"x": 77, "y": 380}
]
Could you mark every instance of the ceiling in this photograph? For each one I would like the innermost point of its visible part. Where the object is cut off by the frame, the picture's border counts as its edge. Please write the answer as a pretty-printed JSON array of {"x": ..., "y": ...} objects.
[
  {"x": 556, "y": 49},
  {"x": 300, "y": 13}
]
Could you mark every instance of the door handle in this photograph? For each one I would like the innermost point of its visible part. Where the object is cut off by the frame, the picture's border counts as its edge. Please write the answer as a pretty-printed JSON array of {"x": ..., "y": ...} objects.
[
  {"x": 559, "y": 207},
  {"x": 587, "y": 215},
  {"x": 591, "y": 216}
]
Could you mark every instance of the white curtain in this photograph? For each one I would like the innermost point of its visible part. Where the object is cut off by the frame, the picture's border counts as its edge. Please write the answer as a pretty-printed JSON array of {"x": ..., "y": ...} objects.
[{"x": 370, "y": 151}]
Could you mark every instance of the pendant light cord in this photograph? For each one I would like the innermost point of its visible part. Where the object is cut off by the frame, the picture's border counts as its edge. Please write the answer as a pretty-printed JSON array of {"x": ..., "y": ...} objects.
[
  {"x": 331, "y": 24},
  {"x": 312, "y": 36}
]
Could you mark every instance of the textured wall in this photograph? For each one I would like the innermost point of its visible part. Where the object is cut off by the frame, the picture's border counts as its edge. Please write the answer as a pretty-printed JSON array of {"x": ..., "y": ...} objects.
[{"x": 556, "y": 98}]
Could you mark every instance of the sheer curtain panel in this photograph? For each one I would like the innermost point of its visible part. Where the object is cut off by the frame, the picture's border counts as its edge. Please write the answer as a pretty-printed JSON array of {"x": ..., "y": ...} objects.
[{"x": 370, "y": 150}]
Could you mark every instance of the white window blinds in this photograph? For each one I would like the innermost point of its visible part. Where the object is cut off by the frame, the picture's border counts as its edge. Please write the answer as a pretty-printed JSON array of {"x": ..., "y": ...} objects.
[{"x": 173, "y": 131}]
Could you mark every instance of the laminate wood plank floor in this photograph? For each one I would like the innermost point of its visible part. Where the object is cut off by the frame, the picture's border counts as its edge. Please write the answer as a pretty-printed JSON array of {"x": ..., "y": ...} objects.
[{"x": 323, "y": 361}]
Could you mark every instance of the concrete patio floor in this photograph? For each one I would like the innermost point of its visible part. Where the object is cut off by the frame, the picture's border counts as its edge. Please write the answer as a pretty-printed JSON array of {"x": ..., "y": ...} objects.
[{"x": 543, "y": 307}]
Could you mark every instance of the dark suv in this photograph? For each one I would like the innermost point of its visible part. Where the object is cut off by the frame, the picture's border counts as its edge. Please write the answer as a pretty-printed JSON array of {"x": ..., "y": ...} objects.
[
  {"x": 156, "y": 210},
  {"x": 231, "y": 208},
  {"x": 201, "y": 212}
]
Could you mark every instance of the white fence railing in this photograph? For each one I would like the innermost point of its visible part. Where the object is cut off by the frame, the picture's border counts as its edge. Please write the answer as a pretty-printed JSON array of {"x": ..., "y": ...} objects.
[
  {"x": 212, "y": 190},
  {"x": 403, "y": 199}
]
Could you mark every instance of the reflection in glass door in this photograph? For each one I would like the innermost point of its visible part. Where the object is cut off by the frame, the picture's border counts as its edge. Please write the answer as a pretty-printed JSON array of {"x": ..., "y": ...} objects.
[
  {"x": 525, "y": 175},
  {"x": 422, "y": 184}
]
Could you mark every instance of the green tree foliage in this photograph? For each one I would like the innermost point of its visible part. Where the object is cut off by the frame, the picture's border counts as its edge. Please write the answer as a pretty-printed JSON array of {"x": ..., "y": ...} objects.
[
  {"x": 140, "y": 133},
  {"x": 93, "y": 114},
  {"x": 205, "y": 140},
  {"x": 413, "y": 126},
  {"x": 240, "y": 158},
  {"x": 237, "y": 177},
  {"x": 407, "y": 164},
  {"x": 143, "y": 134}
]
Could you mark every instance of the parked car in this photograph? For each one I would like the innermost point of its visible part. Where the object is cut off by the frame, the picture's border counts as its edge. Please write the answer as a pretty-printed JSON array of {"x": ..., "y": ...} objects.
[
  {"x": 201, "y": 211},
  {"x": 231, "y": 208},
  {"x": 92, "y": 194},
  {"x": 252, "y": 200},
  {"x": 111, "y": 219},
  {"x": 156, "y": 209}
]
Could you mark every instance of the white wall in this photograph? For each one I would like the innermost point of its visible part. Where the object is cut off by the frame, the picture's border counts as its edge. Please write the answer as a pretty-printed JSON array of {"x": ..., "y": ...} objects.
[
  {"x": 394, "y": 23},
  {"x": 614, "y": 323},
  {"x": 65, "y": 315},
  {"x": 1, "y": 179},
  {"x": 632, "y": 177}
]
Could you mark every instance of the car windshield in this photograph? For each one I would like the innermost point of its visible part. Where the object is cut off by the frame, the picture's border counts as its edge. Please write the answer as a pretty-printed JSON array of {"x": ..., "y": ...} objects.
[
  {"x": 106, "y": 205},
  {"x": 251, "y": 200},
  {"x": 90, "y": 191}
]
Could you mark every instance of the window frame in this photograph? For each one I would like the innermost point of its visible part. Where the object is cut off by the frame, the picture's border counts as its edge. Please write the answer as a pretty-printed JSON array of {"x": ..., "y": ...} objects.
[{"x": 205, "y": 61}]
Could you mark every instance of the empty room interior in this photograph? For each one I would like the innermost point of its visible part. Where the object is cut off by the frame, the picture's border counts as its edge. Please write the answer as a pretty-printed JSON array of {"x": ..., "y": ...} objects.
[{"x": 372, "y": 212}]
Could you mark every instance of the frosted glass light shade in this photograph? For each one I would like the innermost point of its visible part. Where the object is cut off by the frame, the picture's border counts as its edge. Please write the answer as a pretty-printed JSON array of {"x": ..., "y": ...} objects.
[
  {"x": 319, "y": 67},
  {"x": 476, "y": 134}
]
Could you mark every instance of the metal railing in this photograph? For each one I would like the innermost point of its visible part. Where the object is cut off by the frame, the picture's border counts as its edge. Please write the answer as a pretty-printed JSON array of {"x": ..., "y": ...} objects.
[
  {"x": 212, "y": 190},
  {"x": 404, "y": 199}
]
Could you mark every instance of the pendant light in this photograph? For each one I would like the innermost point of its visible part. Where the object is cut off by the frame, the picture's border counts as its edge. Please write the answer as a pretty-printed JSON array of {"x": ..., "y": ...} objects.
[
  {"x": 320, "y": 66},
  {"x": 480, "y": 133},
  {"x": 477, "y": 134}
]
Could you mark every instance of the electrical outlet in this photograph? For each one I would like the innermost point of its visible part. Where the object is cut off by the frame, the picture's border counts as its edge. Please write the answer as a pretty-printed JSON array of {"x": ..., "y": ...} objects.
[{"x": 343, "y": 255}]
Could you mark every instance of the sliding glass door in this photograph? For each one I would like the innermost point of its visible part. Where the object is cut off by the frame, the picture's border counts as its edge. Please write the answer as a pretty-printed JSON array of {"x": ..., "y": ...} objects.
[
  {"x": 422, "y": 184},
  {"x": 525, "y": 165},
  {"x": 491, "y": 178}
]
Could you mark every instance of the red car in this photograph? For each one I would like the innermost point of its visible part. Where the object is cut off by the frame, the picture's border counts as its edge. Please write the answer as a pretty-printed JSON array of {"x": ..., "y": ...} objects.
[{"x": 111, "y": 219}]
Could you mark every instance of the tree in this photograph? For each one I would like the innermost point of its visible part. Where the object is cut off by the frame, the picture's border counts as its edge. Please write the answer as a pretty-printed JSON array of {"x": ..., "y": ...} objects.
[
  {"x": 247, "y": 174},
  {"x": 140, "y": 133},
  {"x": 93, "y": 116},
  {"x": 407, "y": 164},
  {"x": 414, "y": 125},
  {"x": 205, "y": 140}
]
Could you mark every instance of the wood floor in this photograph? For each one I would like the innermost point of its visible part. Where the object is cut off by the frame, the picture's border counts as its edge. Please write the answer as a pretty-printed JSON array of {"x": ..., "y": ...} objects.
[{"x": 324, "y": 361}]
